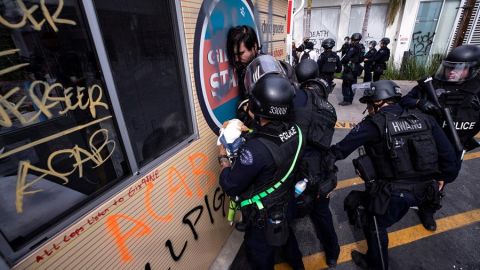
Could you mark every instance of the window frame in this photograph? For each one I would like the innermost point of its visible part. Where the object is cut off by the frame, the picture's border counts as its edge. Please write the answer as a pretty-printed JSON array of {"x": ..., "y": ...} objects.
[{"x": 12, "y": 257}]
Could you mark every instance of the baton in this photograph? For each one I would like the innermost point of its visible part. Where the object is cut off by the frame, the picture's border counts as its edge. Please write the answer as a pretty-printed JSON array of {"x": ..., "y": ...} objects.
[{"x": 445, "y": 113}]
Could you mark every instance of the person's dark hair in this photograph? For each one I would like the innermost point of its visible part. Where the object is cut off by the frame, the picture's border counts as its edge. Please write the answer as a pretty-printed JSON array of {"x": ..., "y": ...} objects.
[{"x": 236, "y": 35}]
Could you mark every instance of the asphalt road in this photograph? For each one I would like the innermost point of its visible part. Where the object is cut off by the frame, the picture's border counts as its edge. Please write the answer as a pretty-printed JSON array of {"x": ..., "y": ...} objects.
[{"x": 455, "y": 244}]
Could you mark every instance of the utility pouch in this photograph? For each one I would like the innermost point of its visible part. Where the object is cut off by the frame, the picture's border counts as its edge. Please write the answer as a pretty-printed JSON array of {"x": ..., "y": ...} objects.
[
  {"x": 328, "y": 184},
  {"x": 400, "y": 157},
  {"x": 425, "y": 157},
  {"x": 364, "y": 168},
  {"x": 276, "y": 226}
]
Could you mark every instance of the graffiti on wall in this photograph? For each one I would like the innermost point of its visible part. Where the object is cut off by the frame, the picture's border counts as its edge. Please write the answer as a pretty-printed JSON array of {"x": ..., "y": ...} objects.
[
  {"x": 154, "y": 211},
  {"x": 421, "y": 43}
]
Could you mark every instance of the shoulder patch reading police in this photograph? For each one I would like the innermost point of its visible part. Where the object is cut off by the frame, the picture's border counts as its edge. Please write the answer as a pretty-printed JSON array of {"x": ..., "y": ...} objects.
[{"x": 246, "y": 157}]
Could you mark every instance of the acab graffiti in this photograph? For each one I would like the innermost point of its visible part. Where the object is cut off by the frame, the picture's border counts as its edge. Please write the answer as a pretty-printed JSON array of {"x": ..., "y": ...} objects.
[{"x": 123, "y": 228}]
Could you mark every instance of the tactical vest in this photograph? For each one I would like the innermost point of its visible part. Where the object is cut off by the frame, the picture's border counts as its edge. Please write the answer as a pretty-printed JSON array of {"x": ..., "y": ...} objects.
[
  {"x": 317, "y": 119},
  {"x": 384, "y": 55},
  {"x": 359, "y": 52},
  {"x": 407, "y": 150},
  {"x": 369, "y": 55},
  {"x": 329, "y": 62},
  {"x": 466, "y": 111},
  {"x": 284, "y": 142}
]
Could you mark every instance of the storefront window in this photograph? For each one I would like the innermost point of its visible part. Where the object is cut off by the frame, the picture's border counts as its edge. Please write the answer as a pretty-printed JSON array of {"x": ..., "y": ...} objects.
[
  {"x": 323, "y": 25},
  {"x": 424, "y": 31},
  {"x": 376, "y": 22},
  {"x": 59, "y": 143},
  {"x": 147, "y": 69}
]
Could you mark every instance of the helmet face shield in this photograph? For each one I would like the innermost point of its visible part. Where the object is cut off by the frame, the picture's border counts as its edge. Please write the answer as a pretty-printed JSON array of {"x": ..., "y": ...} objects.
[
  {"x": 259, "y": 67},
  {"x": 456, "y": 71}
]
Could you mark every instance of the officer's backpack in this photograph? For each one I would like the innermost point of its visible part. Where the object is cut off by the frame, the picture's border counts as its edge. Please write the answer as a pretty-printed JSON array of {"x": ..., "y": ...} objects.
[
  {"x": 305, "y": 55},
  {"x": 317, "y": 120}
]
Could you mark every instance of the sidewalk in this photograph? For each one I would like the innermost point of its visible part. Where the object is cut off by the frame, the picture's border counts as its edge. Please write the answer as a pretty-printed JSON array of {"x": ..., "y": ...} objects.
[{"x": 353, "y": 113}]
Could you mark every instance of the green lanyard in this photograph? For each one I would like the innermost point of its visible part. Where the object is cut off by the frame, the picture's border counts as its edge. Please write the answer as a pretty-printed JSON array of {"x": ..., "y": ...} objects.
[{"x": 258, "y": 197}]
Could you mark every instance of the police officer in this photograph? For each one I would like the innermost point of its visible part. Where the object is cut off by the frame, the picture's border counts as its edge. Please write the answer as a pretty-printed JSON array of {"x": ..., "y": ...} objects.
[
  {"x": 262, "y": 176},
  {"x": 457, "y": 82},
  {"x": 411, "y": 156},
  {"x": 351, "y": 68},
  {"x": 368, "y": 60},
  {"x": 381, "y": 58},
  {"x": 317, "y": 118},
  {"x": 345, "y": 46},
  {"x": 329, "y": 62}
]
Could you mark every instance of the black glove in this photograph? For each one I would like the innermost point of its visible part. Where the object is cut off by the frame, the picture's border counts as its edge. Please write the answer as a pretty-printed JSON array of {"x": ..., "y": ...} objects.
[{"x": 428, "y": 107}]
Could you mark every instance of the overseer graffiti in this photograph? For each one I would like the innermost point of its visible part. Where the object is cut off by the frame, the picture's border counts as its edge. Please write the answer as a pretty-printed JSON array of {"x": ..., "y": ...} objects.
[{"x": 216, "y": 83}]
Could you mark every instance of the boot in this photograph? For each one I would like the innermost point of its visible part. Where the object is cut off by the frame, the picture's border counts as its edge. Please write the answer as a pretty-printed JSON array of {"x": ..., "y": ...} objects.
[{"x": 427, "y": 219}]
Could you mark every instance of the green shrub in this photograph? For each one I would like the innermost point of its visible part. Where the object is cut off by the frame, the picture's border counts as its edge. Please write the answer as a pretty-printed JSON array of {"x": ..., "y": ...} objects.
[{"x": 412, "y": 70}]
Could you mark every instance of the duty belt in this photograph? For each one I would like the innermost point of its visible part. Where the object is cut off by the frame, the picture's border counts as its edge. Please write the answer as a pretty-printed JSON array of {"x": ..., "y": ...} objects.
[{"x": 257, "y": 199}]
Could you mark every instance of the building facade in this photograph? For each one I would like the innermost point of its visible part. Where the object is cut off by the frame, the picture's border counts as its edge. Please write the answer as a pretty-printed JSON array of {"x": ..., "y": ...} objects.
[{"x": 420, "y": 28}]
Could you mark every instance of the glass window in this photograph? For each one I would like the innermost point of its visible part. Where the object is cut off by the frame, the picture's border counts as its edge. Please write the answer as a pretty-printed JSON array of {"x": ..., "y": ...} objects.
[
  {"x": 376, "y": 22},
  {"x": 323, "y": 25},
  {"x": 424, "y": 30},
  {"x": 59, "y": 144},
  {"x": 147, "y": 69}
]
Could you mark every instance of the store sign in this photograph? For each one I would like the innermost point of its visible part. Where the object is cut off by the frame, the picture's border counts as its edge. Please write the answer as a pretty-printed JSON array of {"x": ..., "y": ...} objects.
[{"x": 216, "y": 83}]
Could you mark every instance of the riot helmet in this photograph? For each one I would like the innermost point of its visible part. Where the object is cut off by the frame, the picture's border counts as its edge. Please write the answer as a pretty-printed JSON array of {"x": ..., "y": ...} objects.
[
  {"x": 460, "y": 65},
  {"x": 373, "y": 43},
  {"x": 320, "y": 86},
  {"x": 381, "y": 90},
  {"x": 259, "y": 67},
  {"x": 356, "y": 37},
  {"x": 385, "y": 41},
  {"x": 328, "y": 43},
  {"x": 272, "y": 97},
  {"x": 306, "y": 70}
]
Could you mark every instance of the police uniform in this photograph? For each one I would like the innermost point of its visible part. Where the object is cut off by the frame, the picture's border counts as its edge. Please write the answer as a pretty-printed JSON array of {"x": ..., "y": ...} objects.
[
  {"x": 369, "y": 64},
  {"x": 408, "y": 151},
  {"x": 463, "y": 100},
  {"x": 262, "y": 175},
  {"x": 351, "y": 69},
  {"x": 380, "y": 59},
  {"x": 328, "y": 64},
  {"x": 313, "y": 201},
  {"x": 255, "y": 168},
  {"x": 369, "y": 133}
]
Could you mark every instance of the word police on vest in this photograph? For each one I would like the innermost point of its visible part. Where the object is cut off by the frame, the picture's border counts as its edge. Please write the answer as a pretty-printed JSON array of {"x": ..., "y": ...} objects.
[
  {"x": 461, "y": 125},
  {"x": 287, "y": 134},
  {"x": 401, "y": 126}
]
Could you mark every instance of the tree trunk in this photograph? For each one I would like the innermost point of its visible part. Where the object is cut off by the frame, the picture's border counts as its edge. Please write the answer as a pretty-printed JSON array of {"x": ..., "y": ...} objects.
[{"x": 368, "y": 5}]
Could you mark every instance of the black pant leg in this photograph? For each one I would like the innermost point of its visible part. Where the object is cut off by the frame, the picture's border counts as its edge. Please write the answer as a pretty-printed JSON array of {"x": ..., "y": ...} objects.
[
  {"x": 322, "y": 219},
  {"x": 260, "y": 255},
  {"x": 397, "y": 208},
  {"x": 367, "y": 77}
]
